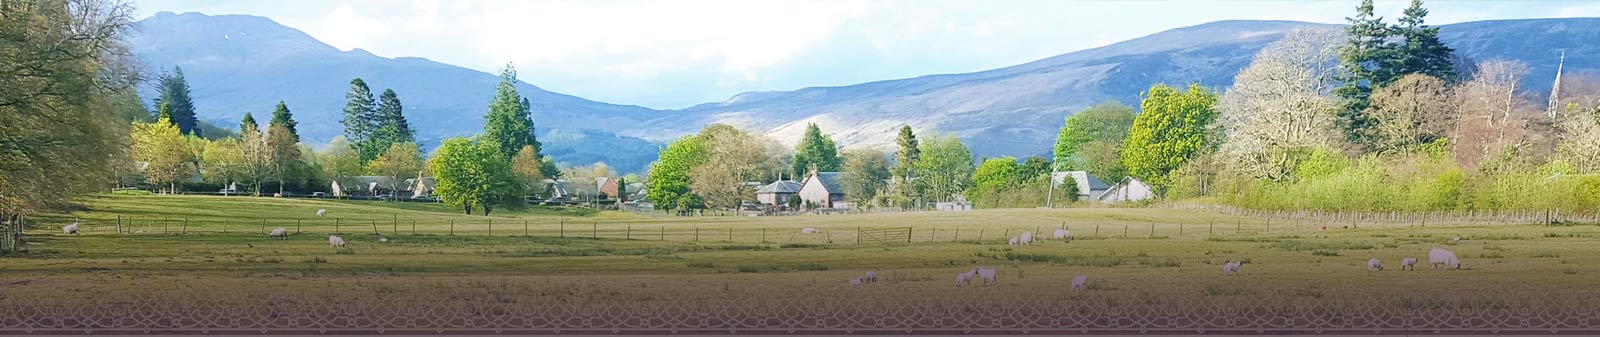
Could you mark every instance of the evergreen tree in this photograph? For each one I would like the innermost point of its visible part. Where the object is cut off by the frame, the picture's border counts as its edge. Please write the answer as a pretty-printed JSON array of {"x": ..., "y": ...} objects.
[
  {"x": 282, "y": 116},
  {"x": 1421, "y": 52},
  {"x": 1362, "y": 63},
  {"x": 508, "y": 124},
  {"x": 175, "y": 93},
  {"x": 360, "y": 119},
  {"x": 248, "y": 124},
  {"x": 815, "y": 149},
  {"x": 392, "y": 125},
  {"x": 906, "y": 160}
]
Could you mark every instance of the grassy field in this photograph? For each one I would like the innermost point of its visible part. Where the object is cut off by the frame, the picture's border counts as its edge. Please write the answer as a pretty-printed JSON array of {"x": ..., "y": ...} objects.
[{"x": 1182, "y": 254}]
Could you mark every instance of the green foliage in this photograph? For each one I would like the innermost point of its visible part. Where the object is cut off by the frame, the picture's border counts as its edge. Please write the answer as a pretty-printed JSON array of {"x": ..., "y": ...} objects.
[
  {"x": 178, "y": 106},
  {"x": 866, "y": 174},
  {"x": 992, "y": 176},
  {"x": 400, "y": 161},
  {"x": 509, "y": 123},
  {"x": 282, "y": 116},
  {"x": 248, "y": 124},
  {"x": 391, "y": 127},
  {"x": 160, "y": 146},
  {"x": 815, "y": 150},
  {"x": 471, "y": 172},
  {"x": 905, "y": 160},
  {"x": 669, "y": 176},
  {"x": 360, "y": 119},
  {"x": 944, "y": 170},
  {"x": 528, "y": 168},
  {"x": 1174, "y": 127},
  {"x": 1106, "y": 123},
  {"x": 1421, "y": 51}
]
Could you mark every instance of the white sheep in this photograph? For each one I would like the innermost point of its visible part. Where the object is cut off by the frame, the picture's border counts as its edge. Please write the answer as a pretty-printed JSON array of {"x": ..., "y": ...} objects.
[
  {"x": 855, "y": 282},
  {"x": 1013, "y": 242},
  {"x": 383, "y": 239},
  {"x": 335, "y": 241},
  {"x": 1439, "y": 256},
  {"x": 965, "y": 278},
  {"x": 990, "y": 276},
  {"x": 1062, "y": 234},
  {"x": 872, "y": 277},
  {"x": 322, "y": 212},
  {"x": 1374, "y": 265},
  {"x": 808, "y": 230},
  {"x": 1027, "y": 238},
  {"x": 70, "y": 229},
  {"x": 1230, "y": 268},
  {"x": 1409, "y": 263},
  {"x": 279, "y": 233},
  {"x": 1080, "y": 283}
]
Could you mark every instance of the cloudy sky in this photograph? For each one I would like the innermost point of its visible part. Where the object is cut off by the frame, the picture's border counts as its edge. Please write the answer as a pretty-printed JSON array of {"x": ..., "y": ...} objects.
[{"x": 673, "y": 54}]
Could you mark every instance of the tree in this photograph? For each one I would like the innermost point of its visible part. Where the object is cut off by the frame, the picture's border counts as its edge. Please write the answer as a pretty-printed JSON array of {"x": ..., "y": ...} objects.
[
  {"x": 222, "y": 162},
  {"x": 993, "y": 176},
  {"x": 669, "y": 175},
  {"x": 160, "y": 147},
  {"x": 361, "y": 119},
  {"x": 391, "y": 127},
  {"x": 1278, "y": 108},
  {"x": 1033, "y": 167},
  {"x": 815, "y": 150},
  {"x": 905, "y": 159},
  {"x": 1174, "y": 127},
  {"x": 399, "y": 162},
  {"x": 258, "y": 163},
  {"x": 527, "y": 167},
  {"x": 473, "y": 172},
  {"x": 1492, "y": 113},
  {"x": 1361, "y": 63},
  {"x": 509, "y": 124},
  {"x": 1421, "y": 51},
  {"x": 1580, "y": 142},
  {"x": 731, "y": 157},
  {"x": 248, "y": 124},
  {"x": 174, "y": 89},
  {"x": 339, "y": 160},
  {"x": 944, "y": 170},
  {"x": 1102, "y": 158},
  {"x": 282, "y": 116},
  {"x": 1411, "y": 112},
  {"x": 284, "y": 153},
  {"x": 866, "y": 174},
  {"x": 1106, "y": 122}
]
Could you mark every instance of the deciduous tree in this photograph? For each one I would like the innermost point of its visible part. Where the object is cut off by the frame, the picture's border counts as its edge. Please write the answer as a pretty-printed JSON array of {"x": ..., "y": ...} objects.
[
  {"x": 866, "y": 174},
  {"x": 1173, "y": 127},
  {"x": 1279, "y": 107}
]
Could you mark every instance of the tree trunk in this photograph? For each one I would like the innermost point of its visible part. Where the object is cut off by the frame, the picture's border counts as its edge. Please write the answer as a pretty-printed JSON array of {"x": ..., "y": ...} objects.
[
  {"x": 469, "y": 209},
  {"x": 487, "y": 209}
]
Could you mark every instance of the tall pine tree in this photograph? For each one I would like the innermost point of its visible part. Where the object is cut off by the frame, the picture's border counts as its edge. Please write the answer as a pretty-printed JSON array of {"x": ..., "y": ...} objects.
[
  {"x": 174, "y": 91},
  {"x": 360, "y": 119},
  {"x": 392, "y": 127},
  {"x": 1421, "y": 52},
  {"x": 282, "y": 116},
  {"x": 248, "y": 124},
  {"x": 509, "y": 124},
  {"x": 906, "y": 160},
  {"x": 1362, "y": 65},
  {"x": 815, "y": 149}
]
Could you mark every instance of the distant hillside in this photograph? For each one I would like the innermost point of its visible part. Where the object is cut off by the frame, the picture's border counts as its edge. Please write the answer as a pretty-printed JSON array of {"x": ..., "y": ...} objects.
[{"x": 245, "y": 63}]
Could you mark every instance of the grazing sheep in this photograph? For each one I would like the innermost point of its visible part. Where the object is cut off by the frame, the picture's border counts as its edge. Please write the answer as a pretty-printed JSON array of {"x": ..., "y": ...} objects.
[
  {"x": 335, "y": 241},
  {"x": 1013, "y": 242},
  {"x": 1374, "y": 265},
  {"x": 965, "y": 278},
  {"x": 872, "y": 277},
  {"x": 383, "y": 239},
  {"x": 1062, "y": 234},
  {"x": 1027, "y": 238},
  {"x": 855, "y": 282},
  {"x": 279, "y": 233},
  {"x": 322, "y": 212},
  {"x": 1438, "y": 256},
  {"x": 1080, "y": 283},
  {"x": 1409, "y": 263},
  {"x": 277, "y": 195},
  {"x": 1458, "y": 238},
  {"x": 1230, "y": 268},
  {"x": 808, "y": 230},
  {"x": 70, "y": 229},
  {"x": 990, "y": 276}
]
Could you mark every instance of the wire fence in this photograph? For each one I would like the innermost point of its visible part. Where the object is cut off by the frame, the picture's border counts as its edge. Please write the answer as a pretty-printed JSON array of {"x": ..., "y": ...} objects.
[{"x": 1245, "y": 222}]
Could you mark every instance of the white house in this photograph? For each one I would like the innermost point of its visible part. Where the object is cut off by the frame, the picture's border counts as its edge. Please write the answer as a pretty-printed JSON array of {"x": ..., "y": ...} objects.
[
  {"x": 1089, "y": 188},
  {"x": 823, "y": 190},
  {"x": 1129, "y": 189}
]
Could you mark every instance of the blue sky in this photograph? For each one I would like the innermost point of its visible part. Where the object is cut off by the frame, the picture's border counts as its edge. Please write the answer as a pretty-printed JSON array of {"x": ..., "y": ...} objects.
[{"x": 673, "y": 54}]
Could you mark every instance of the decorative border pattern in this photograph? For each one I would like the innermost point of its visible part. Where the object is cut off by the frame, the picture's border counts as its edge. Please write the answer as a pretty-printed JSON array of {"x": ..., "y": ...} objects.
[{"x": 872, "y": 312}]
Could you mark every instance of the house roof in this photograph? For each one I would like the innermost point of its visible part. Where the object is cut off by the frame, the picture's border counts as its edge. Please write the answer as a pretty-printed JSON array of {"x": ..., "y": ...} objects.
[
  {"x": 782, "y": 186},
  {"x": 1086, "y": 183},
  {"x": 830, "y": 181}
]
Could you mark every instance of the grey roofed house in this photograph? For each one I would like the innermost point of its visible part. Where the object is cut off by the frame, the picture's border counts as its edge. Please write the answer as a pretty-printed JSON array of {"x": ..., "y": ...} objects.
[
  {"x": 556, "y": 188},
  {"x": 778, "y": 193},
  {"x": 1089, "y": 188},
  {"x": 823, "y": 189}
]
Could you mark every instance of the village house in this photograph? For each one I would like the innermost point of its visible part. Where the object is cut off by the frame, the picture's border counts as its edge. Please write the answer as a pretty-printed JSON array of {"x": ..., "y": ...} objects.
[
  {"x": 778, "y": 193},
  {"x": 1129, "y": 189},
  {"x": 1089, "y": 188},
  {"x": 823, "y": 190},
  {"x": 606, "y": 187}
]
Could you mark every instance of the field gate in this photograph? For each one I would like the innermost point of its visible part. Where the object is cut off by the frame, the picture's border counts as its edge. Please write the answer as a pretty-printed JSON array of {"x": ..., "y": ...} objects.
[{"x": 894, "y": 234}]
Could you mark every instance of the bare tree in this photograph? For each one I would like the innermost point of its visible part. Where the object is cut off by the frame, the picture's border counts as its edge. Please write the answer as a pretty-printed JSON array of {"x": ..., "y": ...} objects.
[
  {"x": 1280, "y": 103},
  {"x": 1580, "y": 138},
  {"x": 1412, "y": 111},
  {"x": 1493, "y": 114},
  {"x": 732, "y": 156}
]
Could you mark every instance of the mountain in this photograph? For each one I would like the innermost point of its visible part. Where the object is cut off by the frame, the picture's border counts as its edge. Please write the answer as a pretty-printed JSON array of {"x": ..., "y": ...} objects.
[
  {"x": 1018, "y": 110},
  {"x": 244, "y": 63},
  {"x": 237, "y": 64}
]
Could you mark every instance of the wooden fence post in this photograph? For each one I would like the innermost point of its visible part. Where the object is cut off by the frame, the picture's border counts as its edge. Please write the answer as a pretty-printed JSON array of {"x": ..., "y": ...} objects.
[
  {"x": 185, "y": 229},
  {"x": 394, "y": 228},
  {"x": 563, "y": 228},
  {"x": 663, "y": 233},
  {"x": 452, "y": 227},
  {"x": 335, "y": 225},
  {"x": 263, "y": 226},
  {"x": 375, "y": 227},
  {"x": 119, "y": 223},
  {"x": 594, "y": 230},
  {"x": 763, "y": 235},
  {"x": 730, "y": 234},
  {"x": 297, "y": 224},
  {"x": 491, "y": 227},
  {"x": 1152, "y": 229}
]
